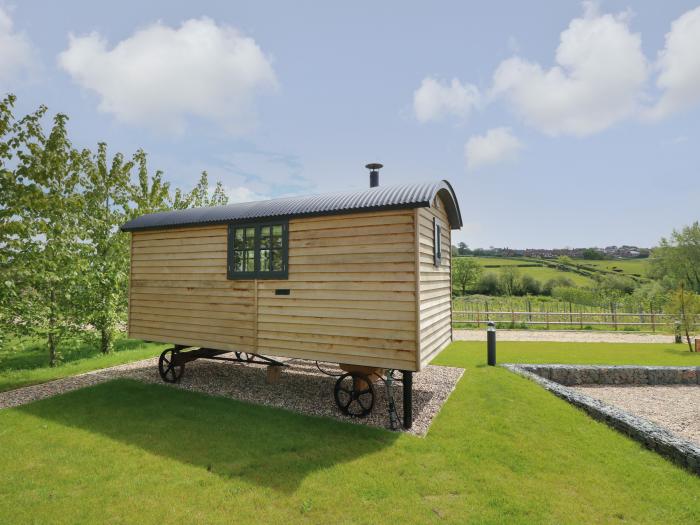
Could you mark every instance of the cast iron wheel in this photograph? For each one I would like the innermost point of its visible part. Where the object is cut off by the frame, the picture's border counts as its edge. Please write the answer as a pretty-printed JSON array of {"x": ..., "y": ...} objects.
[
  {"x": 354, "y": 394},
  {"x": 169, "y": 371}
]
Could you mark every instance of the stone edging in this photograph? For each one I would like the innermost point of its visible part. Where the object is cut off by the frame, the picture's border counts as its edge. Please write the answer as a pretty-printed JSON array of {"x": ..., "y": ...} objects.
[
  {"x": 682, "y": 451},
  {"x": 569, "y": 375}
]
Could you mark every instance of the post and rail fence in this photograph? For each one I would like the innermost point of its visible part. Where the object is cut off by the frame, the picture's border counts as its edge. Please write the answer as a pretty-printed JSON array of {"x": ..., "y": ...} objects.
[{"x": 569, "y": 317}]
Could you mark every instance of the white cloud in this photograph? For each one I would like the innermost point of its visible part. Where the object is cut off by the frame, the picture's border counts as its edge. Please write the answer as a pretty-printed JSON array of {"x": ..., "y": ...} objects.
[
  {"x": 598, "y": 78},
  {"x": 434, "y": 100},
  {"x": 679, "y": 66},
  {"x": 17, "y": 58},
  {"x": 243, "y": 194},
  {"x": 160, "y": 76},
  {"x": 496, "y": 146}
]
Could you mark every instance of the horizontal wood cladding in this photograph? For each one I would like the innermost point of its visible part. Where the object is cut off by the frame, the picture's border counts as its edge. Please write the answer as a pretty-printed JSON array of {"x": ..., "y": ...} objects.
[
  {"x": 179, "y": 292},
  {"x": 352, "y": 283},
  {"x": 435, "y": 289}
]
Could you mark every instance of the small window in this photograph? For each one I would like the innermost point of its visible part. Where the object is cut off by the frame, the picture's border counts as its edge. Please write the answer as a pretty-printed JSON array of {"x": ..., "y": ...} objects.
[
  {"x": 437, "y": 241},
  {"x": 257, "y": 251}
]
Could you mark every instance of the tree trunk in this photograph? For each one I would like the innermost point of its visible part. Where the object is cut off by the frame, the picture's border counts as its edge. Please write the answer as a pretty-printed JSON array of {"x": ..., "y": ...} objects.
[
  {"x": 53, "y": 361},
  {"x": 106, "y": 340},
  {"x": 684, "y": 319},
  {"x": 52, "y": 350}
]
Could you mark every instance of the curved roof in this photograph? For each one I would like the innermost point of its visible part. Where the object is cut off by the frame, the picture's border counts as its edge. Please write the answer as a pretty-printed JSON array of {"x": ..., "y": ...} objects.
[{"x": 382, "y": 197}]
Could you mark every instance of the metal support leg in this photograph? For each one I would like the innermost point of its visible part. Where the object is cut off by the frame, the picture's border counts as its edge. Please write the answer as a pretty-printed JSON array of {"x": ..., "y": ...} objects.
[{"x": 407, "y": 399}]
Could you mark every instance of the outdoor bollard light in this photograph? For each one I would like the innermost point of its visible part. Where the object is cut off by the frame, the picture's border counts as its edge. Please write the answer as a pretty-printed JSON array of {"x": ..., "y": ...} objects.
[{"x": 491, "y": 343}]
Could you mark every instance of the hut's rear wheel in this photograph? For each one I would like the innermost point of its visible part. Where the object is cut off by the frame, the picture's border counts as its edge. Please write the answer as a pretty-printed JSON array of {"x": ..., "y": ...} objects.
[
  {"x": 170, "y": 372},
  {"x": 354, "y": 394}
]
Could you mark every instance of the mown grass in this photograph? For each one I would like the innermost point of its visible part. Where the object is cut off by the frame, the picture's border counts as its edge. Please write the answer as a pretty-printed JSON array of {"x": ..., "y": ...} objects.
[
  {"x": 25, "y": 362},
  {"x": 502, "y": 450}
]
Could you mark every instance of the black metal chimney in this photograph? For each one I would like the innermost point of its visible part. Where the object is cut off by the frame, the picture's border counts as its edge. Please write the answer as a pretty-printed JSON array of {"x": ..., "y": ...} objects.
[{"x": 374, "y": 173}]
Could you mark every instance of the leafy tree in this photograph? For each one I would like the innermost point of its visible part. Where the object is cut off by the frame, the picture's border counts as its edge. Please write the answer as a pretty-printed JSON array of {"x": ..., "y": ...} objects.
[
  {"x": 509, "y": 281},
  {"x": 593, "y": 254},
  {"x": 488, "y": 284},
  {"x": 530, "y": 285},
  {"x": 106, "y": 190},
  {"x": 676, "y": 260},
  {"x": 150, "y": 193},
  {"x": 43, "y": 266},
  {"x": 466, "y": 271},
  {"x": 199, "y": 196},
  {"x": 686, "y": 305}
]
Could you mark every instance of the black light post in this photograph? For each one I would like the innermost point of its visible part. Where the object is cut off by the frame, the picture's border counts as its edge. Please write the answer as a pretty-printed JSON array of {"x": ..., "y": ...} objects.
[{"x": 491, "y": 343}]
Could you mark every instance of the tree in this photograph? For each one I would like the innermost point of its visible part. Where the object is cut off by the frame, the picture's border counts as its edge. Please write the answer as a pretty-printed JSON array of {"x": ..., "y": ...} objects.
[
  {"x": 676, "y": 260},
  {"x": 199, "y": 196},
  {"x": 509, "y": 281},
  {"x": 686, "y": 305},
  {"x": 593, "y": 254},
  {"x": 106, "y": 193},
  {"x": 488, "y": 284},
  {"x": 150, "y": 194},
  {"x": 530, "y": 285},
  {"x": 42, "y": 248},
  {"x": 466, "y": 271}
]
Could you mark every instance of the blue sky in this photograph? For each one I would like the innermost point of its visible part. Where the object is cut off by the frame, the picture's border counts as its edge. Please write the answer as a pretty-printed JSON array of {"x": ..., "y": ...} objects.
[{"x": 558, "y": 123}]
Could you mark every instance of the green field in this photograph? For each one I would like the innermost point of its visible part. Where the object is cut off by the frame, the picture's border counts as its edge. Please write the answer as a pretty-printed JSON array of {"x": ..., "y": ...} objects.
[
  {"x": 541, "y": 273},
  {"x": 502, "y": 450},
  {"x": 627, "y": 267}
]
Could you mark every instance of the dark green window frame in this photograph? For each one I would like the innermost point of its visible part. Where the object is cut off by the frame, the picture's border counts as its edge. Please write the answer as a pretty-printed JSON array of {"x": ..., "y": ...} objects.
[
  {"x": 252, "y": 246},
  {"x": 437, "y": 241}
]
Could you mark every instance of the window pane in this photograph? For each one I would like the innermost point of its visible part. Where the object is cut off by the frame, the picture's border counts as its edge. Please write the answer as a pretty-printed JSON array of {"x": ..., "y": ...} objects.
[
  {"x": 250, "y": 238},
  {"x": 277, "y": 236},
  {"x": 264, "y": 260},
  {"x": 238, "y": 261},
  {"x": 277, "y": 262},
  {"x": 250, "y": 261},
  {"x": 238, "y": 236}
]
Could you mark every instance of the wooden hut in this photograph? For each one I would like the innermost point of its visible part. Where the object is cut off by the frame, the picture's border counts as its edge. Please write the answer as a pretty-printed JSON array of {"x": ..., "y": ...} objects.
[{"x": 360, "y": 278}]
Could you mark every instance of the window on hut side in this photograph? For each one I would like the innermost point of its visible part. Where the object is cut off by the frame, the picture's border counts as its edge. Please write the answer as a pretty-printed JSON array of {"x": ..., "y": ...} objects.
[
  {"x": 257, "y": 251},
  {"x": 437, "y": 241}
]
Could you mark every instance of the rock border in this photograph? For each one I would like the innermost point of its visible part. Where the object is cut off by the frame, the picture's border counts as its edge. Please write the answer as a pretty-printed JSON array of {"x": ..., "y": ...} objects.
[{"x": 660, "y": 440}]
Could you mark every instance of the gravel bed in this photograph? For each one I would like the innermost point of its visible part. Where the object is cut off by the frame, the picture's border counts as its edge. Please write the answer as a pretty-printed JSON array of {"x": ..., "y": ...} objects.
[
  {"x": 675, "y": 407},
  {"x": 564, "y": 336},
  {"x": 301, "y": 388}
]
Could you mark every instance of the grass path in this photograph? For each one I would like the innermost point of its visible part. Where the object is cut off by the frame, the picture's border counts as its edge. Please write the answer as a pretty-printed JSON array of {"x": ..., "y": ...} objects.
[{"x": 501, "y": 451}]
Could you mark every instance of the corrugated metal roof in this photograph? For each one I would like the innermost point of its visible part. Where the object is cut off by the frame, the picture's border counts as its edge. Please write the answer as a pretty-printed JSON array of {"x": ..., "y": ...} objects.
[{"x": 382, "y": 197}]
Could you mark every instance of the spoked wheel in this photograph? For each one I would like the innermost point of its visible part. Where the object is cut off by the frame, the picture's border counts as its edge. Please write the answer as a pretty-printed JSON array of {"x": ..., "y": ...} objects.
[
  {"x": 354, "y": 394},
  {"x": 169, "y": 371}
]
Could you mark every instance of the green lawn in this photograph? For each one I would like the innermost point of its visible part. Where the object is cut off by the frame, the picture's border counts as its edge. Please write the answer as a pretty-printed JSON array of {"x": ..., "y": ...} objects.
[
  {"x": 503, "y": 450},
  {"x": 25, "y": 363}
]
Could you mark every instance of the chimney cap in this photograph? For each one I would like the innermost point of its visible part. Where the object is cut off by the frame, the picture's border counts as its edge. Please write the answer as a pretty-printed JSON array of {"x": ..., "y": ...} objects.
[{"x": 374, "y": 166}]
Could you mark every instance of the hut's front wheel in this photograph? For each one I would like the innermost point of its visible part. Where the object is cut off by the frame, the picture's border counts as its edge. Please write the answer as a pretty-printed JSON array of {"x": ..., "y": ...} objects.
[
  {"x": 354, "y": 394},
  {"x": 170, "y": 372}
]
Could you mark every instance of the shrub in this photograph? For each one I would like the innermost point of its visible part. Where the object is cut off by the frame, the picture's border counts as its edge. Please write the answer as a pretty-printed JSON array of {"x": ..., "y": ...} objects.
[
  {"x": 488, "y": 284},
  {"x": 530, "y": 285}
]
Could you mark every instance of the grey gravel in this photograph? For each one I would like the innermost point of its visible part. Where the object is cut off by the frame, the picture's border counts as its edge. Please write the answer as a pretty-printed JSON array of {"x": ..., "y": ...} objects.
[
  {"x": 675, "y": 407},
  {"x": 564, "y": 336},
  {"x": 302, "y": 388}
]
